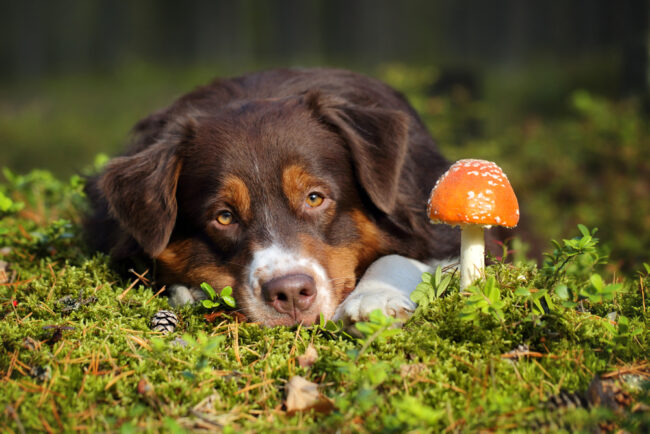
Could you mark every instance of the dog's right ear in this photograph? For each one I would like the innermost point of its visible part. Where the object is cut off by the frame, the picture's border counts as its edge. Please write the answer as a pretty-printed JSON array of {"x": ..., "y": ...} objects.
[{"x": 141, "y": 188}]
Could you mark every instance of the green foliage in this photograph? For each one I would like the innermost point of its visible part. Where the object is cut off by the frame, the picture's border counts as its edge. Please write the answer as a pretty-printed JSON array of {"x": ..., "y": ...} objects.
[
  {"x": 571, "y": 251},
  {"x": 538, "y": 301},
  {"x": 432, "y": 286},
  {"x": 411, "y": 412},
  {"x": 573, "y": 261},
  {"x": 8, "y": 207},
  {"x": 598, "y": 292},
  {"x": 377, "y": 328},
  {"x": 223, "y": 300},
  {"x": 42, "y": 194},
  {"x": 484, "y": 299},
  {"x": 206, "y": 347}
]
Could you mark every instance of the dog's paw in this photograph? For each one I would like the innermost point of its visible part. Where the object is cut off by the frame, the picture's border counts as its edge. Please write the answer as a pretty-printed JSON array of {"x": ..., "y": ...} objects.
[
  {"x": 180, "y": 295},
  {"x": 391, "y": 302}
]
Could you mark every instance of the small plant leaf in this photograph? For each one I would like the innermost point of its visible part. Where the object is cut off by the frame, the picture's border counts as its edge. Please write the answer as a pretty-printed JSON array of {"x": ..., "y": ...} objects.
[
  {"x": 438, "y": 275},
  {"x": 209, "y": 290},
  {"x": 226, "y": 291},
  {"x": 209, "y": 304},
  {"x": 562, "y": 291},
  {"x": 522, "y": 292},
  {"x": 228, "y": 300},
  {"x": 584, "y": 231},
  {"x": 597, "y": 282}
]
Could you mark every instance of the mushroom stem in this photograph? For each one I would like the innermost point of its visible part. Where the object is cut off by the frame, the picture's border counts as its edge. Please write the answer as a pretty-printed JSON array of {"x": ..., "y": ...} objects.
[{"x": 472, "y": 259}]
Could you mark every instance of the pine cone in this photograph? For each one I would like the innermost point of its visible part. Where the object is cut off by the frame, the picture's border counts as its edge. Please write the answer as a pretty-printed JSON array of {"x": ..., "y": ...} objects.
[
  {"x": 608, "y": 393},
  {"x": 567, "y": 400},
  {"x": 164, "y": 321}
]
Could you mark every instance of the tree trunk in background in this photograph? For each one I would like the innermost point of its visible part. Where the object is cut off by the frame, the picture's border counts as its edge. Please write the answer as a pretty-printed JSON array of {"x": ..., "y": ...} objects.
[
  {"x": 635, "y": 71},
  {"x": 41, "y": 37}
]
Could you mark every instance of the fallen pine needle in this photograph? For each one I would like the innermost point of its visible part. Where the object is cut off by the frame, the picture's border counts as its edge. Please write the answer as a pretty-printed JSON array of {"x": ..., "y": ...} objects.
[
  {"x": 255, "y": 386},
  {"x": 118, "y": 378},
  {"x": 517, "y": 354},
  {"x": 126, "y": 291},
  {"x": 140, "y": 342},
  {"x": 155, "y": 295}
]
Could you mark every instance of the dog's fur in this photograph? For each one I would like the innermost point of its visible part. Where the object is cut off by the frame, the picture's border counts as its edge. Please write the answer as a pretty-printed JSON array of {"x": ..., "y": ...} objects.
[{"x": 252, "y": 152}]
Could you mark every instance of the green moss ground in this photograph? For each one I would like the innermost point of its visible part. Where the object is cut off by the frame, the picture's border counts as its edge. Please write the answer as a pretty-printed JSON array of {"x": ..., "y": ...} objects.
[{"x": 95, "y": 365}]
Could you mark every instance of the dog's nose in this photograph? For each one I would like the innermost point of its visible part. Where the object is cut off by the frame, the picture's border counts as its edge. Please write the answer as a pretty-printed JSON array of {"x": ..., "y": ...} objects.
[{"x": 290, "y": 294}]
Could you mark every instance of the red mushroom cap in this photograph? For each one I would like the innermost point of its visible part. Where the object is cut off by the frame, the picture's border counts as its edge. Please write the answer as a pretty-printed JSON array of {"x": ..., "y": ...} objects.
[{"x": 474, "y": 192}]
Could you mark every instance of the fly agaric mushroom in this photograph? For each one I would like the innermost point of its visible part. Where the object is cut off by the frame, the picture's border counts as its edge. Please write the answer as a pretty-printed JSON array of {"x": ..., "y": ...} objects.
[{"x": 474, "y": 194}]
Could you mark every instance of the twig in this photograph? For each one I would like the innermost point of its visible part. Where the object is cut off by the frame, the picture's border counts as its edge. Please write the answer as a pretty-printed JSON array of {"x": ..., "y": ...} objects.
[
  {"x": 235, "y": 338},
  {"x": 642, "y": 292},
  {"x": 126, "y": 291},
  {"x": 140, "y": 278},
  {"x": 14, "y": 414},
  {"x": 255, "y": 386},
  {"x": 155, "y": 295}
]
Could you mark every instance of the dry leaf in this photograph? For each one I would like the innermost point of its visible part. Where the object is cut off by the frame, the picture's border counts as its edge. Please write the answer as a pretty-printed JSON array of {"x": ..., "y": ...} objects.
[
  {"x": 214, "y": 316},
  {"x": 408, "y": 370},
  {"x": 309, "y": 358},
  {"x": 4, "y": 275},
  {"x": 303, "y": 395},
  {"x": 144, "y": 387}
]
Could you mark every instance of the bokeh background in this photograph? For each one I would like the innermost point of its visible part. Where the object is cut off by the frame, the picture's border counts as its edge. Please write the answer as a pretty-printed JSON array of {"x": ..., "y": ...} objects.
[{"x": 555, "y": 91}]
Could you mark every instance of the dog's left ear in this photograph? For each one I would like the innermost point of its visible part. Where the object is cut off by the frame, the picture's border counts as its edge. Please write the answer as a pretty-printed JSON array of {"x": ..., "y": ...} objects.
[
  {"x": 140, "y": 189},
  {"x": 377, "y": 138}
]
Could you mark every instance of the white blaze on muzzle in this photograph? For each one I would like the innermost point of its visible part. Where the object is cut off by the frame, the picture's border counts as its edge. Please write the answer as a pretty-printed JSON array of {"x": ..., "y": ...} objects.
[{"x": 275, "y": 261}]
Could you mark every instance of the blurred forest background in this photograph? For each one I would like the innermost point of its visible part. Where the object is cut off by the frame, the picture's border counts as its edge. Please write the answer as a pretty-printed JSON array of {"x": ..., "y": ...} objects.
[{"x": 555, "y": 91}]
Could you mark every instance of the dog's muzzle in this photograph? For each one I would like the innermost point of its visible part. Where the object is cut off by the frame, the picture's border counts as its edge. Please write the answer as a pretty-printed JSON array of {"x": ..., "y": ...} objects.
[{"x": 290, "y": 294}]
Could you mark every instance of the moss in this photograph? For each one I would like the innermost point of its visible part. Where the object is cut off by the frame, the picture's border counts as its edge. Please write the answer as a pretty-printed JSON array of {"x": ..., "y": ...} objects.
[{"x": 76, "y": 352}]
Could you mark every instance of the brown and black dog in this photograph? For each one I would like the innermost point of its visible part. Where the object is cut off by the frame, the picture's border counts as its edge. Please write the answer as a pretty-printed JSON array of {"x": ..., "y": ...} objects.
[{"x": 288, "y": 185}]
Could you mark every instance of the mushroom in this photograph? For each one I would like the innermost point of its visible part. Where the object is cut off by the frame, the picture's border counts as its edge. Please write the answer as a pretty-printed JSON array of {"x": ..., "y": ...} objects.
[{"x": 474, "y": 194}]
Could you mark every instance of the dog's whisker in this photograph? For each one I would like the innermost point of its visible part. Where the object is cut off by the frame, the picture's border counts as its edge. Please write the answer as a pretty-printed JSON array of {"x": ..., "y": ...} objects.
[{"x": 340, "y": 278}]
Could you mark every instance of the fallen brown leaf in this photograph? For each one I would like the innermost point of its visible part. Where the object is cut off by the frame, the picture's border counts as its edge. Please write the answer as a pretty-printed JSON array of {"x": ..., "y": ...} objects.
[
  {"x": 408, "y": 370},
  {"x": 4, "y": 275},
  {"x": 213, "y": 316},
  {"x": 303, "y": 395},
  {"x": 309, "y": 358}
]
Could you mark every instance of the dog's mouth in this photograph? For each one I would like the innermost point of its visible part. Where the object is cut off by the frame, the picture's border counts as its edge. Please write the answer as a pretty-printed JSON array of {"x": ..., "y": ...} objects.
[{"x": 285, "y": 288}]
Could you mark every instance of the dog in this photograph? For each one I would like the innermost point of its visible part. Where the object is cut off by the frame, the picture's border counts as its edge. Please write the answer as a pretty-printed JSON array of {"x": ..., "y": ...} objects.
[{"x": 303, "y": 189}]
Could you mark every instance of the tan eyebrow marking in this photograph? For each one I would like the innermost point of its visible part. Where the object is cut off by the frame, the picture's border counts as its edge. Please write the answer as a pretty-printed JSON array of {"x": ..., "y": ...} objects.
[
  {"x": 235, "y": 192},
  {"x": 296, "y": 182}
]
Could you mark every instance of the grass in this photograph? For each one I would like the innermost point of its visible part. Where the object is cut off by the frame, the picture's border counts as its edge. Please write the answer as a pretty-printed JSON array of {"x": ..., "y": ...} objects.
[{"x": 77, "y": 352}]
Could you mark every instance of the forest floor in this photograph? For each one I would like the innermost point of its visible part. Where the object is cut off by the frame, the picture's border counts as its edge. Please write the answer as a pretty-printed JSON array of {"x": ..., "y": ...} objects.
[{"x": 554, "y": 346}]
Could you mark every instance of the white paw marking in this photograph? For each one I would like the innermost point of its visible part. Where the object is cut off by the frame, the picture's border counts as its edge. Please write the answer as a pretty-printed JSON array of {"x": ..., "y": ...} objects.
[
  {"x": 357, "y": 306},
  {"x": 386, "y": 285},
  {"x": 180, "y": 295}
]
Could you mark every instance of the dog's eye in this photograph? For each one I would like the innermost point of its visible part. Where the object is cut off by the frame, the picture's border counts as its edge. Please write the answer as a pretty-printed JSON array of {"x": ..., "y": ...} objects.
[
  {"x": 314, "y": 200},
  {"x": 225, "y": 218}
]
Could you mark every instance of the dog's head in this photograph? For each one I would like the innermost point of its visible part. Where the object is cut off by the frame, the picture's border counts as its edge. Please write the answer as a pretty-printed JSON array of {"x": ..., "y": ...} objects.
[{"x": 277, "y": 198}]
